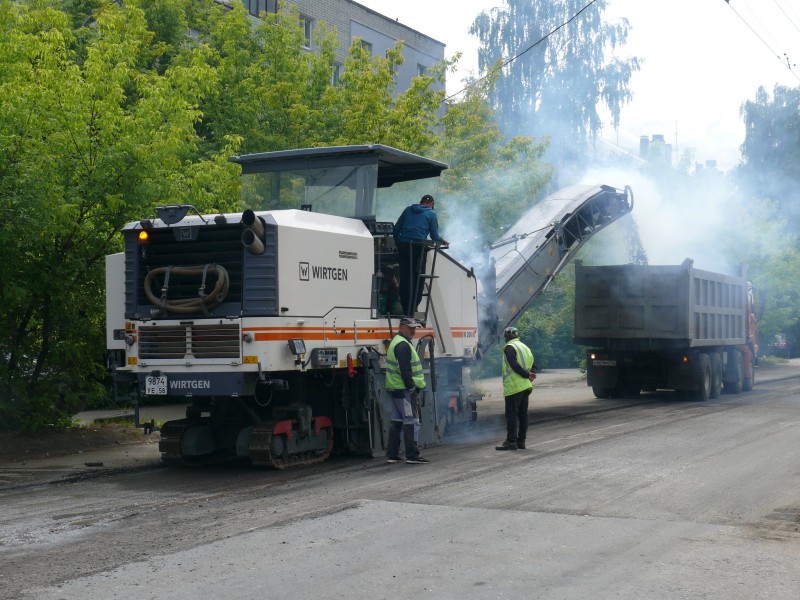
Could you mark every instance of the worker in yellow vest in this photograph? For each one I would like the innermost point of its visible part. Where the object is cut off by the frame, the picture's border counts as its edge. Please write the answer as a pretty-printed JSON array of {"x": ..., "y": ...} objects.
[
  {"x": 518, "y": 376},
  {"x": 404, "y": 381}
]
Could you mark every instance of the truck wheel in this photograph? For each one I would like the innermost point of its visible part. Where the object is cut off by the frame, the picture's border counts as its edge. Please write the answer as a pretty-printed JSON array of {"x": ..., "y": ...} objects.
[
  {"x": 716, "y": 374},
  {"x": 601, "y": 392},
  {"x": 747, "y": 382},
  {"x": 703, "y": 390},
  {"x": 734, "y": 374}
]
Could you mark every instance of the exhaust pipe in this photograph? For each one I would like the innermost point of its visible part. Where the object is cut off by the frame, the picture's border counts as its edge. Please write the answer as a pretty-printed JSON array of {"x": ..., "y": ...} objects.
[{"x": 254, "y": 233}]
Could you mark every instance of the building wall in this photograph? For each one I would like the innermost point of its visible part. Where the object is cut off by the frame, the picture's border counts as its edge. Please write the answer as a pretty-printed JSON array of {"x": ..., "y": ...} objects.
[{"x": 351, "y": 19}]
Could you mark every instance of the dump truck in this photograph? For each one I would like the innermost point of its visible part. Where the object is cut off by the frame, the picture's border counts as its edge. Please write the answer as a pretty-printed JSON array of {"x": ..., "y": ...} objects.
[{"x": 653, "y": 327}]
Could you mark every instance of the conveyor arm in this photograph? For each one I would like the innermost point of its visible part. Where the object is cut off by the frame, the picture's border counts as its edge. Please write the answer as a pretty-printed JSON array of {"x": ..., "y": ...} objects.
[{"x": 538, "y": 247}]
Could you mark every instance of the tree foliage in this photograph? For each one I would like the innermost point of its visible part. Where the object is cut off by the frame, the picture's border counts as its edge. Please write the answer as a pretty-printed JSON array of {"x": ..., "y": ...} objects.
[
  {"x": 555, "y": 88},
  {"x": 491, "y": 180},
  {"x": 768, "y": 179},
  {"x": 546, "y": 328},
  {"x": 89, "y": 136},
  {"x": 771, "y": 149}
]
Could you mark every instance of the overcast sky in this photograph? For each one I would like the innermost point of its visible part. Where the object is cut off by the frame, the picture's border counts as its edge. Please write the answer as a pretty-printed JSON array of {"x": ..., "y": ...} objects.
[{"x": 701, "y": 61}]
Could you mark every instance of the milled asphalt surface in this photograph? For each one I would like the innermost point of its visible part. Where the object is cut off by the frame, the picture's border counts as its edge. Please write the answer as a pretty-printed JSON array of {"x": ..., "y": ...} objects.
[
  {"x": 146, "y": 454},
  {"x": 652, "y": 502}
]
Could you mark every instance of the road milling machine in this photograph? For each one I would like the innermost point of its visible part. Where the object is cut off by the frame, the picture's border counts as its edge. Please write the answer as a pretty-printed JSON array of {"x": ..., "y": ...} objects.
[{"x": 273, "y": 324}]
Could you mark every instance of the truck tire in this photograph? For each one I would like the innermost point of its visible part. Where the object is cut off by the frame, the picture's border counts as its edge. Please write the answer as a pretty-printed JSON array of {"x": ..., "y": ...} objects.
[
  {"x": 601, "y": 392},
  {"x": 703, "y": 390},
  {"x": 748, "y": 382},
  {"x": 734, "y": 374},
  {"x": 716, "y": 374}
]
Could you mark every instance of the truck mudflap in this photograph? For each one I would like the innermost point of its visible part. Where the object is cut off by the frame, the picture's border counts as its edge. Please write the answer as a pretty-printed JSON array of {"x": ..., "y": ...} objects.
[{"x": 602, "y": 377}]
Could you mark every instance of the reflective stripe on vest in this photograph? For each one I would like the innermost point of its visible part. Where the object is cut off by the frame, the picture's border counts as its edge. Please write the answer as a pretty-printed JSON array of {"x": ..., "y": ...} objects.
[
  {"x": 513, "y": 382},
  {"x": 394, "y": 381}
]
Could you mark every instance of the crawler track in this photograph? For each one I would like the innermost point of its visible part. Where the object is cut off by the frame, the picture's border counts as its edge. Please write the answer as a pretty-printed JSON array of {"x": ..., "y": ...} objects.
[
  {"x": 268, "y": 449},
  {"x": 170, "y": 447}
]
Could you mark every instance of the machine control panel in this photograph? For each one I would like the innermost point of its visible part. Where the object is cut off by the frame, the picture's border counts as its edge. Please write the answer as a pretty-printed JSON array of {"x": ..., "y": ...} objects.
[
  {"x": 379, "y": 228},
  {"x": 324, "y": 357}
]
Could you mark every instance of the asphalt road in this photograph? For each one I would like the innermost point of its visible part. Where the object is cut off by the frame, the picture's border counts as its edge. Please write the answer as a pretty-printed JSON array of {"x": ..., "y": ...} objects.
[{"x": 647, "y": 498}]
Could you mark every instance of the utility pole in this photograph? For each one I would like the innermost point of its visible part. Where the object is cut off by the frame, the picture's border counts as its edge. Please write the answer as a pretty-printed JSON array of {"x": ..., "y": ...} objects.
[{"x": 677, "y": 155}]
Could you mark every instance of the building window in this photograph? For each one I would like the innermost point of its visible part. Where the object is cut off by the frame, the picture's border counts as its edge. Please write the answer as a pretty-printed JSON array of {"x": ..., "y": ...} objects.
[
  {"x": 307, "y": 24},
  {"x": 367, "y": 46},
  {"x": 256, "y": 7},
  {"x": 421, "y": 70},
  {"x": 337, "y": 73}
]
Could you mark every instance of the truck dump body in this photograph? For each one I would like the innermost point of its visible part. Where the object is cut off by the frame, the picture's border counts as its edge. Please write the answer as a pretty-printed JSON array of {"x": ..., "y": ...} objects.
[
  {"x": 665, "y": 327},
  {"x": 655, "y": 307}
]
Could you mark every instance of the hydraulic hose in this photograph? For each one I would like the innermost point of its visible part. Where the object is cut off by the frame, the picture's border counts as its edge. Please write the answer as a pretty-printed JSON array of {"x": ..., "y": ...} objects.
[{"x": 203, "y": 302}]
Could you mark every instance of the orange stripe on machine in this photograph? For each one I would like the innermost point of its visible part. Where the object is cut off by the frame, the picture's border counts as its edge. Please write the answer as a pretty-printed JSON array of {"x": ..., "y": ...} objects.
[{"x": 272, "y": 334}]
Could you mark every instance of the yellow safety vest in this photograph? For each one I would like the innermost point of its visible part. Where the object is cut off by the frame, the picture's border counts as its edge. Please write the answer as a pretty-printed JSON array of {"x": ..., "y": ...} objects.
[
  {"x": 394, "y": 381},
  {"x": 513, "y": 382}
]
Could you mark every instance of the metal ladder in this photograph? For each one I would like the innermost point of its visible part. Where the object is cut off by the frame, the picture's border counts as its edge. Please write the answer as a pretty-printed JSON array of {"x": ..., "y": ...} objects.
[{"x": 426, "y": 281}]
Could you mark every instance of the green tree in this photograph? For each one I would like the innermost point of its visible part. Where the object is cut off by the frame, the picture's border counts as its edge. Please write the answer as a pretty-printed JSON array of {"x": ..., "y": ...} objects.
[
  {"x": 491, "y": 180},
  {"x": 88, "y": 138},
  {"x": 276, "y": 95},
  {"x": 768, "y": 179},
  {"x": 547, "y": 328},
  {"x": 269, "y": 90},
  {"x": 556, "y": 88},
  {"x": 770, "y": 164},
  {"x": 362, "y": 107},
  {"x": 770, "y": 248}
]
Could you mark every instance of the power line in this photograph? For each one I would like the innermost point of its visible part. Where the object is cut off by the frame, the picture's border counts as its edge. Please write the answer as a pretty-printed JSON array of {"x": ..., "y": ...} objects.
[
  {"x": 760, "y": 24},
  {"x": 786, "y": 64},
  {"x": 528, "y": 49},
  {"x": 789, "y": 19},
  {"x": 787, "y": 14}
]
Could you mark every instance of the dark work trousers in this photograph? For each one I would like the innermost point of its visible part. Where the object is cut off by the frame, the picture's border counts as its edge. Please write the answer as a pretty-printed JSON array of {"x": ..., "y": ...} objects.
[
  {"x": 412, "y": 265},
  {"x": 404, "y": 419},
  {"x": 517, "y": 417}
]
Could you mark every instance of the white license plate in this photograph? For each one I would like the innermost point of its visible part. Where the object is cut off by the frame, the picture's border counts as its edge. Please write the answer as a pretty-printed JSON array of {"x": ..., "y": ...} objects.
[
  {"x": 604, "y": 363},
  {"x": 155, "y": 386}
]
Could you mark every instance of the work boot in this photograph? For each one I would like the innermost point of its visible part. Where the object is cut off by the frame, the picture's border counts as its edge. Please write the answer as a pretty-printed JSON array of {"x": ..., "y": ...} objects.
[
  {"x": 520, "y": 445},
  {"x": 506, "y": 445}
]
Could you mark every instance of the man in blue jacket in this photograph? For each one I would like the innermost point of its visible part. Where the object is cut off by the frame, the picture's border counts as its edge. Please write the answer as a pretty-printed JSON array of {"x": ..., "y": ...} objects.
[{"x": 417, "y": 222}]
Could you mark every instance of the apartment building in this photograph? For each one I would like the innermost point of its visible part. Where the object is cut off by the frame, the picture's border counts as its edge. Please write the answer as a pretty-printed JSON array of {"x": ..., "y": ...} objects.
[{"x": 376, "y": 31}]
